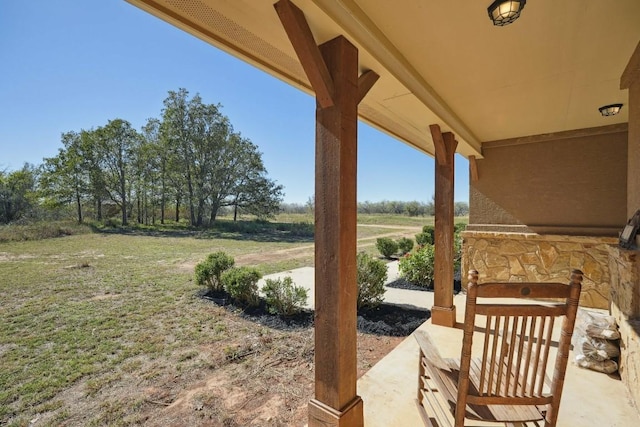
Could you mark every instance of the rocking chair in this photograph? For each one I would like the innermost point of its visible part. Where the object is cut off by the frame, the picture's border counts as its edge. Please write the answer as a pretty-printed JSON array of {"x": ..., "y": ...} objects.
[{"x": 505, "y": 378}]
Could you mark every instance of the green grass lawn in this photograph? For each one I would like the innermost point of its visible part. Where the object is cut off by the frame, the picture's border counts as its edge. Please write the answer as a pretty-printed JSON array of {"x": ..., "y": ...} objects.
[
  {"x": 86, "y": 315},
  {"x": 86, "y": 305},
  {"x": 386, "y": 219}
]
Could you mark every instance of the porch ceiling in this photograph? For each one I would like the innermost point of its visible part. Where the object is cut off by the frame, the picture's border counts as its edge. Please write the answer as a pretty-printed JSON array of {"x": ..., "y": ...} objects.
[{"x": 443, "y": 61}]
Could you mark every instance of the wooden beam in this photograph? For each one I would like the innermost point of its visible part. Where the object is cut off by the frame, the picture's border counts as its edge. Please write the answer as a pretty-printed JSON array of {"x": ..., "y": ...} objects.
[
  {"x": 443, "y": 311},
  {"x": 438, "y": 143},
  {"x": 299, "y": 33},
  {"x": 556, "y": 136},
  {"x": 473, "y": 168},
  {"x": 336, "y": 403},
  {"x": 365, "y": 83}
]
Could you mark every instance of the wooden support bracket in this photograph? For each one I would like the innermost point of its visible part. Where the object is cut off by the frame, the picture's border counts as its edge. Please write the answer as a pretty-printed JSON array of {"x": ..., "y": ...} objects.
[
  {"x": 473, "y": 168},
  {"x": 438, "y": 143},
  {"x": 299, "y": 33},
  {"x": 450, "y": 145},
  {"x": 365, "y": 83}
]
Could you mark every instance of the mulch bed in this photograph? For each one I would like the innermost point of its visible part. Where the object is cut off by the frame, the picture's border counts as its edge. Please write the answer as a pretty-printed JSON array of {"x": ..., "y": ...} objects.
[
  {"x": 401, "y": 283},
  {"x": 387, "y": 319}
]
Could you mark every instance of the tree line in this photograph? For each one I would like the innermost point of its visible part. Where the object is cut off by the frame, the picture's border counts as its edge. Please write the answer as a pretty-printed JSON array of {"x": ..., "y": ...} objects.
[
  {"x": 389, "y": 207},
  {"x": 189, "y": 159}
]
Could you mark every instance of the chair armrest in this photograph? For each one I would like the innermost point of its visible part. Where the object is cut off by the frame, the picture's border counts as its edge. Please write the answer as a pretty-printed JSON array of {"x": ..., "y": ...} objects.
[{"x": 430, "y": 350}]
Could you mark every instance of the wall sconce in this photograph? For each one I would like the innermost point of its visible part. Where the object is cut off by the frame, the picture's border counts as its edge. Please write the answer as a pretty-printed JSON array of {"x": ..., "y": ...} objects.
[
  {"x": 610, "y": 110},
  {"x": 504, "y": 12}
]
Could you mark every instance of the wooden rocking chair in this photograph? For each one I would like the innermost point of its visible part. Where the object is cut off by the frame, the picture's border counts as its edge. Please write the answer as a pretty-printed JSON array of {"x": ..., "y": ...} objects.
[{"x": 509, "y": 382}]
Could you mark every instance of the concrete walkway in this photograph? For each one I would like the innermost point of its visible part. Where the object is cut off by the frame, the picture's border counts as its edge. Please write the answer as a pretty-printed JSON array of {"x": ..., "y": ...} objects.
[{"x": 305, "y": 276}]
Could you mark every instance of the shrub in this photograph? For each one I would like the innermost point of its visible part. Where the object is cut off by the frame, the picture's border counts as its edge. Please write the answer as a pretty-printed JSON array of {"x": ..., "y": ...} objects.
[
  {"x": 209, "y": 271},
  {"x": 457, "y": 252},
  {"x": 459, "y": 226},
  {"x": 241, "y": 283},
  {"x": 417, "y": 267},
  {"x": 372, "y": 273},
  {"x": 284, "y": 297},
  {"x": 427, "y": 236},
  {"x": 297, "y": 229},
  {"x": 41, "y": 230},
  {"x": 386, "y": 246},
  {"x": 112, "y": 223},
  {"x": 405, "y": 245}
]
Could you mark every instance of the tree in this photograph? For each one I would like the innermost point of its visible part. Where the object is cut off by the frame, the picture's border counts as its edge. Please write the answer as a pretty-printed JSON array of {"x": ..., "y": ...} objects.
[
  {"x": 149, "y": 173},
  {"x": 216, "y": 165},
  {"x": 215, "y": 157},
  {"x": 252, "y": 191},
  {"x": 158, "y": 154},
  {"x": 191, "y": 155},
  {"x": 91, "y": 165},
  {"x": 17, "y": 193},
  {"x": 260, "y": 197},
  {"x": 64, "y": 179},
  {"x": 117, "y": 142},
  {"x": 414, "y": 208},
  {"x": 461, "y": 209},
  {"x": 197, "y": 133},
  {"x": 430, "y": 209},
  {"x": 176, "y": 131},
  {"x": 311, "y": 204}
]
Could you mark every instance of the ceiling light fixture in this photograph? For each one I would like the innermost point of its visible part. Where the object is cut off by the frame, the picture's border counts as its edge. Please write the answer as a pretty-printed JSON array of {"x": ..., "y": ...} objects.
[
  {"x": 610, "y": 110},
  {"x": 504, "y": 12}
]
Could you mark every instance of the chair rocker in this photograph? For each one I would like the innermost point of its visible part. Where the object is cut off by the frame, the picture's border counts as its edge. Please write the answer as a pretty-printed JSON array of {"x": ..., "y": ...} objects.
[{"x": 515, "y": 372}]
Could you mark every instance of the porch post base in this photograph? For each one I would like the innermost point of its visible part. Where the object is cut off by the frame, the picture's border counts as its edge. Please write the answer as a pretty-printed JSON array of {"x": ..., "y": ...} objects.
[
  {"x": 321, "y": 415},
  {"x": 443, "y": 316}
]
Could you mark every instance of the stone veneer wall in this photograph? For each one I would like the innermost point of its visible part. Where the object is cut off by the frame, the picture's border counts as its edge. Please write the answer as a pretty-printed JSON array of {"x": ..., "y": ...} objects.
[
  {"x": 625, "y": 307},
  {"x": 530, "y": 257}
]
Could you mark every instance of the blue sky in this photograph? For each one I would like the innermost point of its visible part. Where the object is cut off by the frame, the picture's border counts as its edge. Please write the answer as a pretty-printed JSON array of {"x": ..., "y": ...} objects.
[{"x": 75, "y": 64}]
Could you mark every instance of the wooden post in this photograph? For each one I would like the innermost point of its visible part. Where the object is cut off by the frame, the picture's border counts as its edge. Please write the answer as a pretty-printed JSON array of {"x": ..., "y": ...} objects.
[
  {"x": 443, "y": 311},
  {"x": 332, "y": 70},
  {"x": 336, "y": 402}
]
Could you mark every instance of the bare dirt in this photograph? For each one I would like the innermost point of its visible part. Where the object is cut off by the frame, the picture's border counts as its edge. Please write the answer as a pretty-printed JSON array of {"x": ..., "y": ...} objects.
[
  {"x": 266, "y": 383},
  {"x": 267, "y": 380}
]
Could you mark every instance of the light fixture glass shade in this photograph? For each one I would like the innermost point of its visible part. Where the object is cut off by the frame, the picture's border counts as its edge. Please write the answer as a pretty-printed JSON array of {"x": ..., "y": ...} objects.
[
  {"x": 504, "y": 12},
  {"x": 610, "y": 110}
]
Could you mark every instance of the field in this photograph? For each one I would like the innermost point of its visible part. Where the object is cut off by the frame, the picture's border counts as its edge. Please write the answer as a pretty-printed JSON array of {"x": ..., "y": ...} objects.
[{"x": 108, "y": 328}]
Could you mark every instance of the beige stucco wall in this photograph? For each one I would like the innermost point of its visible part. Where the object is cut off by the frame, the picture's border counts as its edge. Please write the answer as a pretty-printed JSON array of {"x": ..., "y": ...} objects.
[{"x": 574, "y": 184}]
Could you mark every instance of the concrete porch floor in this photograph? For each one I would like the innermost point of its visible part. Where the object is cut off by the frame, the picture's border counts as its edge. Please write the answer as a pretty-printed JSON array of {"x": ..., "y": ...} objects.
[{"x": 389, "y": 388}]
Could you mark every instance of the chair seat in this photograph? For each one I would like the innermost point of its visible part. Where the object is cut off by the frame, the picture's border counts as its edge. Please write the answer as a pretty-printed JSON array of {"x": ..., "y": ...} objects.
[{"x": 497, "y": 413}]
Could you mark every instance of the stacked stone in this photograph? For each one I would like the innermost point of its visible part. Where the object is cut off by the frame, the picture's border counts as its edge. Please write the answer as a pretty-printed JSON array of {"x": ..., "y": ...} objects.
[
  {"x": 528, "y": 257},
  {"x": 596, "y": 341}
]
